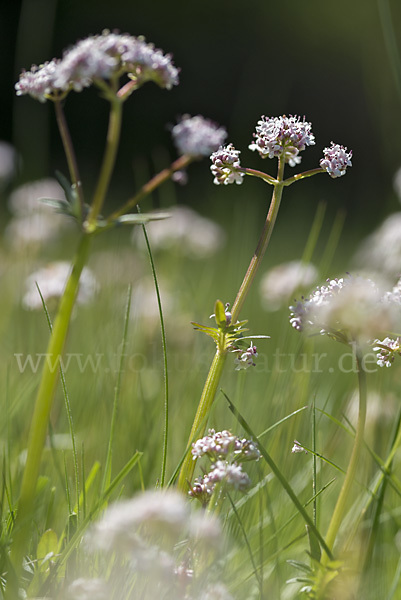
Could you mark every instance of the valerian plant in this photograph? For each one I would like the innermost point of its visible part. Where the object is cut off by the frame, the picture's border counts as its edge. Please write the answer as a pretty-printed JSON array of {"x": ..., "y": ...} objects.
[
  {"x": 283, "y": 138},
  {"x": 117, "y": 65}
]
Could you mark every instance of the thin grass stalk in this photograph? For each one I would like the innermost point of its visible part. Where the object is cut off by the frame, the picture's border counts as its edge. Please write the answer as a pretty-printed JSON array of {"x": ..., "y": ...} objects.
[
  {"x": 342, "y": 500},
  {"x": 117, "y": 390},
  {"x": 165, "y": 362},
  {"x": 280, "y": 477}
]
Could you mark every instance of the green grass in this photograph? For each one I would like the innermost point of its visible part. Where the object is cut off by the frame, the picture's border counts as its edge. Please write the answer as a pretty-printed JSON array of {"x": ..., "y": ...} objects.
[{"x": 265, "y": 527}]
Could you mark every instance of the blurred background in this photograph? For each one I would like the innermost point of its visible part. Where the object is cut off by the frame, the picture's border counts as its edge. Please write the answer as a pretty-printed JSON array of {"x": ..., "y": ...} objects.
[{"x": 335, "y": 65}]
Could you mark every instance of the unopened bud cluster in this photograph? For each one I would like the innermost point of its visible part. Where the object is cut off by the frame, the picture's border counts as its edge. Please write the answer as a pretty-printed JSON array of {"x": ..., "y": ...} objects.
[
  {"x": 244, "y": 360},
  {"x": 224, "y": 164},
  {"x": 387, "y": 350},
  {"x": 226, "y": 452}
]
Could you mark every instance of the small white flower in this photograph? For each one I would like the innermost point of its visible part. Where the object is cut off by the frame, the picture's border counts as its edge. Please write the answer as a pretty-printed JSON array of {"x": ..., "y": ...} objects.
[
  {"x": 231, "y": 475},
  {"x": 244, "y": 360},
  {"x": 336, "y": 160},
  {"x": 297, "y": 447}
]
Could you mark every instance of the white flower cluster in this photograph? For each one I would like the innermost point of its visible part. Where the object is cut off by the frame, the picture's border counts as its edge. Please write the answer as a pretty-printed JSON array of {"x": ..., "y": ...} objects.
[
  {"x": 226, "y": 453},
  {"x": 282, "y": 136},
  {"x": 348, "y": 309},
  {"x": 225, "y": 162},
  {"x": 98, "y": 57},
  {"x": 387, "y": 350},
  {"x": 163, "y": 544},
  {"x": 197, "y": 136},
  {"x": 222, "y": 444},
  {"x": 336, "y": 160}
]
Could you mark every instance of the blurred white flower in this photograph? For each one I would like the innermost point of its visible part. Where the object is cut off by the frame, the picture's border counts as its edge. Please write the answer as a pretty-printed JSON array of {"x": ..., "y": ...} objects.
[
  {"x": 88, "y": 589},
  {"x": 197, "y": 136},
  {"x": 381, "y": 250},
  {"x": 347, "y": 309},
  {"x": 52, "y": 280},
  {"x": 34, "y": 222},
  {"x": 186, "y": 232},
  {"x": 217, "y": 591},
  {"x": 155, "y": 513},
  {"x": 205, "y": 529},
  {"x": 282, "y": 281}
]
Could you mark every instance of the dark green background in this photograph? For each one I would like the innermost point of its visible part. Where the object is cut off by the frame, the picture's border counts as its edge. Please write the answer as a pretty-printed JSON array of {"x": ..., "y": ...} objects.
[{"x": 325, "y": 60}]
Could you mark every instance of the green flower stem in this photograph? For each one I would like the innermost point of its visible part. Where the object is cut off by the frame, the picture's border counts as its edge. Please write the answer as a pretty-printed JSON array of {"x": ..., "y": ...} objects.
[
  {"x": 113, "y": 138},
  {"x": 262, "y": 244},
  {"x": 199, "y": 424},
  {"x": 43, "y": 404},
  {"x": 216, "y": 369},
  {"x": 341, "y": 504},
  {"x": 69, "y": 150},
  {"x": 178, "y": 165},
  {"x": 303, "y": 175}
]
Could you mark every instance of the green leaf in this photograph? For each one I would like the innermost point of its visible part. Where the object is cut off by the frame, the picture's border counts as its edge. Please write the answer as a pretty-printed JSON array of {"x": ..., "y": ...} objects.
[
  {"x": 210, "y": 331},
  {"x": 301, "y": 566},
  {"x": 220, "y": 314},
  {"x": 47, "y": 548},
  {"x": 141, "y": 219}
]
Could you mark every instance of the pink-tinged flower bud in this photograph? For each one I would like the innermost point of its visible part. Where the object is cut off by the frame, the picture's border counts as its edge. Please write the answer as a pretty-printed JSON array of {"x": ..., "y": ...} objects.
[
  {"x": 225, "y": 162},
  {"x": 336, "y": 160}
]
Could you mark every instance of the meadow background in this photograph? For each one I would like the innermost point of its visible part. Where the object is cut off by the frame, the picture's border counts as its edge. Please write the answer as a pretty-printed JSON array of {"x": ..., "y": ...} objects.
[{"x": 334, "y": 63}]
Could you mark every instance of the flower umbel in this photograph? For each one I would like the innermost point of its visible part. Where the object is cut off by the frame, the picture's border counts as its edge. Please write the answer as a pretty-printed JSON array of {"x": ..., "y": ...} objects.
[
  {"x": 387, "y": 350},
  {"x": 347, "y": 309},
  {"x": 226, "y": 452},
  {"x": 282, "y": 136},
  {"x": 336, "y": 160},
  {"x": 96, "y": 58}
]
